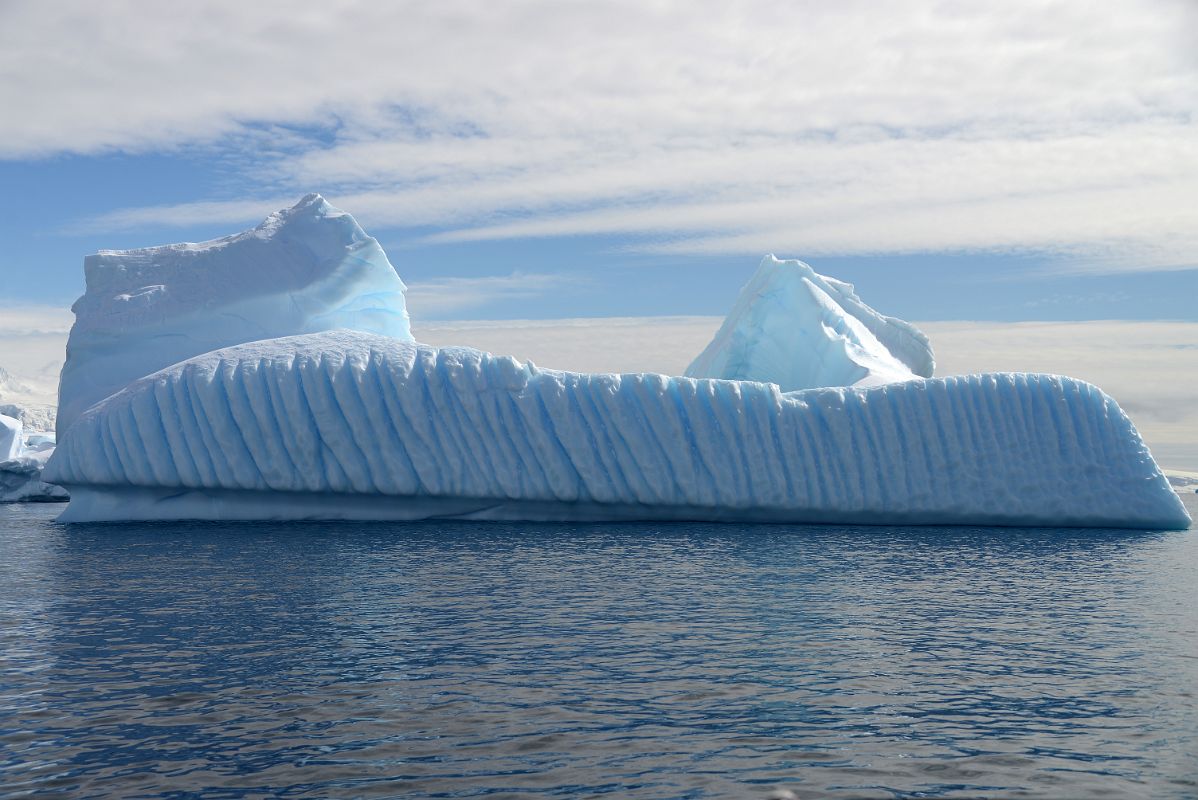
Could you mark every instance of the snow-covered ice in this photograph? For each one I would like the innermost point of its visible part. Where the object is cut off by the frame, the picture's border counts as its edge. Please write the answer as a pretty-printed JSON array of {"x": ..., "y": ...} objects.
[
  {"x": 352, "y": 425},
  {"x": 802, "y": 330},
  {"x": 306, "y": 269}
]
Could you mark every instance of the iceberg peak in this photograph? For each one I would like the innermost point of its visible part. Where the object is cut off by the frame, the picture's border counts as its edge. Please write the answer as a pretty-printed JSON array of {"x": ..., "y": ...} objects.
[
  {"x": 305, "y": 269},
  {"x": 801, "y": 330}
]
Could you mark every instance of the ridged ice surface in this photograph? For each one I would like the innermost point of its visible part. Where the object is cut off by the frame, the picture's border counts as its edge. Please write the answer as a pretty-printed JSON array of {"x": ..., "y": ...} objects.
[{"x": 344, "y": 424}]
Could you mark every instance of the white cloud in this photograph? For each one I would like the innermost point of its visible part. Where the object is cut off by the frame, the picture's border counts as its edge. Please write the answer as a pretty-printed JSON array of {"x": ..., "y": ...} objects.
[
  {"x": 805, "y": 127},
  {"x": 32, "y": 346},
  {"x": 437, "y": 298}
]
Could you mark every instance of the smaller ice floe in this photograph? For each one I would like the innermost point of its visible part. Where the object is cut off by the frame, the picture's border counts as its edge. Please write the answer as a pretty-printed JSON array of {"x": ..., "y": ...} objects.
[
  {"x": 22, "y": 459},
  {"x": 305, "y": 269},
  {"x": 801, "y": 330}
]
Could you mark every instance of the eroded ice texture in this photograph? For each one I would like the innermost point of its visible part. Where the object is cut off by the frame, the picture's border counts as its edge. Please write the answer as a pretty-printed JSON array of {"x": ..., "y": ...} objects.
[
  {"x": 305, "y": 269},
  {"x": 802, "y": 330},
  {"x": 345, "y": 425}
]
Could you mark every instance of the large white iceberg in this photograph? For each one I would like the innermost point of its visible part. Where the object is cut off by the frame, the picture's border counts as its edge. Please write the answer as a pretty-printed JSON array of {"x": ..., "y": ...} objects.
[
  {"x": 366, "y": 424},
  {"x": 356, "y": 426},
  {"x": 306, "y": 269},
  {"x": 802, "y": 330}
]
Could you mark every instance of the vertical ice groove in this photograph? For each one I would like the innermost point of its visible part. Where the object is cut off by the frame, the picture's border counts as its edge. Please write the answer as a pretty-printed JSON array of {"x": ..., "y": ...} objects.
[
  {"x": 415, "y": 427},
  {"x": 892, "y": 447},
  {"x": 346, "y": 449},
  {"x": 634, "y": 417},
  {"x": 158, "y": 460},
  {"x": 473, "y": 452},
  {"x": 619, "y": 406},
  {"x": 785, "y": 453},
  {"x": 839, "y": 483},
  {"x": 464, "y": 380},
  {"x": 698, "y": 402},
  {"x": 818, "y": 493},
  {"x": 1093, "y": 405},
  {"x": 194, "y": 426},
  {"x": 511, "y": 380},
  {"x": 567, "y": 483},
  {"x": 629, "y": 451},
  {"x": 326, "y": 468},
  {"x": 345, "y": 385},
  {"x": 274, "y": 375},
  {"x": 470, "y": 384},
  {"x": 595, "y": 410},
  {"x": 765, "y": 469},
  {"x": 334, "y": 428},
  {"x": 959, "y": 396},
  {"x": 116, "y": 469},
  {"x": 704, "y": 481},
  {"x": 735, "y": 459},
  {"x": 869, "y": 424},
  {"x": 657, "y": 404},
  {"x": 277, "y": 467},
  {"x": 229, "y": 440},
  {"x": 175, "y": 433},
  {"x": 385, "y": 415},
  {"x": 578, "y": 439},
  {"x": 516, "y": 471},
  {"x": 920, "y": 408},
  {"x": 452, "y": 454},
  {"x": 262, "y": 449},
  {"x": 303, "y": 441},
  {"x": 1005, "y": 437},
  {"x": 592, "y": 458}
]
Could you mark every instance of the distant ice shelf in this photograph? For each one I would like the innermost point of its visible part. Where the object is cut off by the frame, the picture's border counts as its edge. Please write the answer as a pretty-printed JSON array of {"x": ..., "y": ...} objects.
[{"x": 345, "y": 425}]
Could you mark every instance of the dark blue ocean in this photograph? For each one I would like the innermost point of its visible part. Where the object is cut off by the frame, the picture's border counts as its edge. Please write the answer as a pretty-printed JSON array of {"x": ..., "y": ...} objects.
[{"x": 645, "y": 661}]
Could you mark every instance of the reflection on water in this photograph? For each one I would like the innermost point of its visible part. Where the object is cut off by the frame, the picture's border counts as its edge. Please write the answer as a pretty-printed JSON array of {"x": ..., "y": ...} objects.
[{"x": 456, "y": 659}]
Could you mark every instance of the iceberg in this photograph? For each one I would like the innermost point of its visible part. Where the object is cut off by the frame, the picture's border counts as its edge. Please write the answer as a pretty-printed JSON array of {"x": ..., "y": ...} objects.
[
  {"x": 273, "y": 375},
  {"x": 305, "y": 269},
  {"x": 10, "y": 437},
  {"x": 802, "y": 330},
  {"x": 22, "y": 460},
  {"x": 344, "y": 425}
]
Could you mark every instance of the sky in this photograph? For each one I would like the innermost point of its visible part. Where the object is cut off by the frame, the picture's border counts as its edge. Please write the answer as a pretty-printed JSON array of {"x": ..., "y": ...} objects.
[
  {"x": 1008, "y": 161},
  {"x": 1025, "y": 161}
]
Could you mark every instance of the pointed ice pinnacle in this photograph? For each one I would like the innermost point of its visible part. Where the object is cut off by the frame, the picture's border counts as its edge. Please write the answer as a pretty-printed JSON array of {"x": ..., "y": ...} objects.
[{"x": 802, "y": 330}]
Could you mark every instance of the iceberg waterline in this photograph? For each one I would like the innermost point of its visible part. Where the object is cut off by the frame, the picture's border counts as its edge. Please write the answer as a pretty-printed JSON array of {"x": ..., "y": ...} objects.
[{"x": 364, "y": 426}]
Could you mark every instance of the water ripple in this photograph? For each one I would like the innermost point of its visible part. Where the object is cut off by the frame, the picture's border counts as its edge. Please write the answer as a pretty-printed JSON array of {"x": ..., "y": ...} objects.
[{"x": 647, "y": 661}]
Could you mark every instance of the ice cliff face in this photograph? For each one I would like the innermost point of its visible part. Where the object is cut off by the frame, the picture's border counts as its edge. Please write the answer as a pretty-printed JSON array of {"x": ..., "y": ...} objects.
[
  {"x": 351, "y": 425},
  {"x": 802, "y": 330},
  {"x": 305, "y": 269}
]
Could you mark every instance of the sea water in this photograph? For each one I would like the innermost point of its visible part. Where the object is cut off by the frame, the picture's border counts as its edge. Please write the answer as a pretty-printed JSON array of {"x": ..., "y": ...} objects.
[{"x": 447, "y": 659}]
